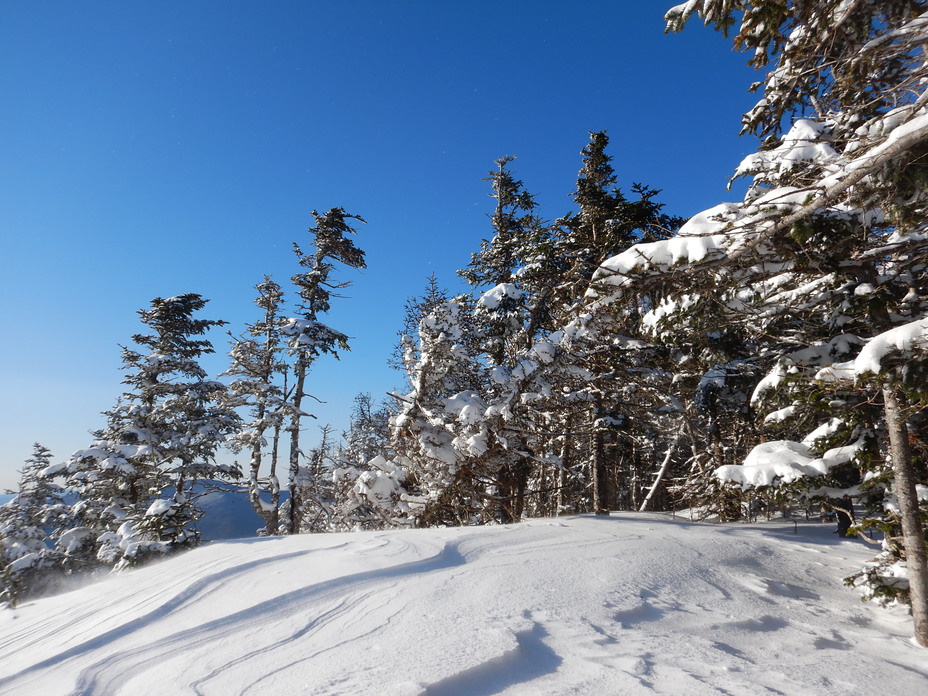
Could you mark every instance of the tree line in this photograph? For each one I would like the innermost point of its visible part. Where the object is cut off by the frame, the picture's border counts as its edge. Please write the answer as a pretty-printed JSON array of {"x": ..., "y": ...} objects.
[{"x": 763, "y": 355}]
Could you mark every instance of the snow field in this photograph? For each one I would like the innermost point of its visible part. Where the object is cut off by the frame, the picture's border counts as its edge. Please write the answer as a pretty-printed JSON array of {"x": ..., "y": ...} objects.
[{"x": 630, "y": 604}]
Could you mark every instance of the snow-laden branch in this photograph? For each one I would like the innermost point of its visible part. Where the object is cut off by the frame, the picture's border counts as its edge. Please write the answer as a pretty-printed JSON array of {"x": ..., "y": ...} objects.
[
  {"x": 901, "y": 341},
  {"x": 724, "y": 234}
]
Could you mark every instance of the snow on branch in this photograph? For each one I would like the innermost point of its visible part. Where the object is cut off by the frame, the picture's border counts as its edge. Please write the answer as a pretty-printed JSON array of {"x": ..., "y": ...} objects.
[
  {"x": 784, "y": 461},
  {"x": 723, "y": 234},
  {"x": 899, "y": 342}
]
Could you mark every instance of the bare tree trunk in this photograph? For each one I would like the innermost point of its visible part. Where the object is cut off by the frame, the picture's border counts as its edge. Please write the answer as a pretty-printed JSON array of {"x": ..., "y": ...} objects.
[
  {"x": 521, "y": 473},
  {"x": 913, "y": 534},
  {"x": 254, "y": 491},
  {"x": 506, "y": 487},
  {"x": 660, "y": 474}
]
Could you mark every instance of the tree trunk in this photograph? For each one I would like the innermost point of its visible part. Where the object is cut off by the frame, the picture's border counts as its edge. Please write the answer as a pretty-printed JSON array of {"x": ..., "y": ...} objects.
[
  {"x": 506, "y": 486},
  {"x": 660, "y": 474},
  {"x": 254, "y": 491},
  {"x": 913, "y": 534},
  {"x": 521, "y": 486},
  {"x": 566, "y": 462},
  {"x": 273, "y": 478},
  {"x": 598, "y": 464},
  {"x": 295, "y": 516}
]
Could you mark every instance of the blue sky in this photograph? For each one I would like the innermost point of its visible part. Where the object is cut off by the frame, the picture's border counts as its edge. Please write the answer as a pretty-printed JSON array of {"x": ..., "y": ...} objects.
[{"x": 151, "y": 149}]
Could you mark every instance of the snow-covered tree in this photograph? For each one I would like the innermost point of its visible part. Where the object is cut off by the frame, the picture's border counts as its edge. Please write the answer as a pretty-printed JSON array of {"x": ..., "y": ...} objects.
[
  {"x": 504, "y": 415},
  {"x": 414, "y": 310},
  {"x": 605, "y": 223},
  {"x": 30, "y": 524},
  {"x": 440, "y": 366},
  {"x": 316, "y": 488},
  {"x": 369, "y": 486},
  {"x": 502, "y": 310},
  {"x": 135, "y": 482},
  {"x": 368, "y": 431},
  {"x": 823, "y": 262},
  {"x": 307, "y": 337},
  {"x": 260, "y": 372}
]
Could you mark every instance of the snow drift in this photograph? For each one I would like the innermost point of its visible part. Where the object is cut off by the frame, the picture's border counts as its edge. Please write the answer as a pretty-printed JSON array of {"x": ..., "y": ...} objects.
[{"x": 631, "y": 604}]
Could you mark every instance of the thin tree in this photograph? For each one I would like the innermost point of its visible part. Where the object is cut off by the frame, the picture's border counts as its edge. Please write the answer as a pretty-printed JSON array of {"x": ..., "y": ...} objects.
[{"x": 307, "y": 337}]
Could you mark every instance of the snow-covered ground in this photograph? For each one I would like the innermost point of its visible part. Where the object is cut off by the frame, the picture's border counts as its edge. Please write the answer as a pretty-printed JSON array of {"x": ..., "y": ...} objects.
[{"x": 630, "y": 604}]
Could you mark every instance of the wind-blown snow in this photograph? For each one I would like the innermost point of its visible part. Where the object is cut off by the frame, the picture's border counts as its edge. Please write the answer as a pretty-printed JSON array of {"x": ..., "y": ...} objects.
[{"x": 631, "y": 604}]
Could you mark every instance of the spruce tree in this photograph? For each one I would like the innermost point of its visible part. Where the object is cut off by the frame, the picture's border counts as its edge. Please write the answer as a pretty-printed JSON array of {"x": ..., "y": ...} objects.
[
  {"x": 136, "y": 482},
  {"x": 605, "y": 223},
  {"x": 259, "y": 383},
  {"x": 30, "y": 524},
  {"x": 823, "y": 263},
  {"x": 368, "y": 485},
  {"x": 307, "y": 337},
  {"x": 414, "y": 310}
]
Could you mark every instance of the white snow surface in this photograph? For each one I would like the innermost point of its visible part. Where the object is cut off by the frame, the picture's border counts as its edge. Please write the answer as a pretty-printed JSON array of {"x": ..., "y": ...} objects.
[{"x": 629, "y": 604}]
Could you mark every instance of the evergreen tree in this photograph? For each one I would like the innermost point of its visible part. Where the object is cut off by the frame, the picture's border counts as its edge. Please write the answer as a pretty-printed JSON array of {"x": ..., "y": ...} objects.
[
  {"x": 30, "y": 524},
  {"x": 414, "y": 310},
  {"x": 517, "y": 232},
  {"x": 260, "y": 384},
  {"x": 823, "y": 262},
  {"x": 368, "y": 485},
  {"x": 307, "y": 337},
  {"x": 606, "y": 222},
  {"x": 500, "y": 401},
  {"x": 514, "y": 273},
  {"x": 135, "y": 483},
  {"x": 443, "y": 488},
  {"x": 317, "y": 492}
]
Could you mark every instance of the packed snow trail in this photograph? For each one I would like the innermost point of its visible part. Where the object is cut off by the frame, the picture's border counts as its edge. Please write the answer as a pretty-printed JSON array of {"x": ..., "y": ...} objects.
[{"x": 630, "y": 604}]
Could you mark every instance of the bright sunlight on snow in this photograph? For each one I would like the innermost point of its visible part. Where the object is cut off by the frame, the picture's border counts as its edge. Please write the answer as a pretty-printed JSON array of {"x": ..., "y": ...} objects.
[{"x": 629, "y": 604}]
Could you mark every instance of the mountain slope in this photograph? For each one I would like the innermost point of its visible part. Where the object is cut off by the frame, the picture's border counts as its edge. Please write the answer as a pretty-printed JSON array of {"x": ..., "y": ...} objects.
[{"x": 631, "y": 604}]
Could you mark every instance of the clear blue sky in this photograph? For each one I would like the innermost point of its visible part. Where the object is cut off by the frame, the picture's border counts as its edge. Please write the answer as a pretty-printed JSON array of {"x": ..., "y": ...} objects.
[{"x": 151, "y": 149}]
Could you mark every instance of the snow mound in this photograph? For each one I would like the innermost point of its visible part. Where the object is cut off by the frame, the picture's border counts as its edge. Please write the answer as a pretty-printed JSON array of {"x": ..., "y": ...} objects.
[{"x": 631, "y": 604}]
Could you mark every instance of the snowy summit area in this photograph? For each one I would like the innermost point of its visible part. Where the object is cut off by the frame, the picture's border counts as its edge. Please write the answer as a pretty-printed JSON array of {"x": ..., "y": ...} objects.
[
  {"x": 503, "y": 515},
  {"x": 627, "y": 604}
]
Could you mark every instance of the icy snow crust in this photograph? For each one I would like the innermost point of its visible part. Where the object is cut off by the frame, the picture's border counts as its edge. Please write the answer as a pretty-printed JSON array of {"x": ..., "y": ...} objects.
[{"x": 631, "y": 604}]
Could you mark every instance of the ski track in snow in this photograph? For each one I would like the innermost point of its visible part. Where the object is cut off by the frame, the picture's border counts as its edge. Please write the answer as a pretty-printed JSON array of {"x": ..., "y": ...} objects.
[{"x": 631, "y": 604}]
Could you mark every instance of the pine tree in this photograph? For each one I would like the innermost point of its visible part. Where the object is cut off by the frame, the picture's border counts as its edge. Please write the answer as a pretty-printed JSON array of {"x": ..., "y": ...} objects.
[
  {"x": 443, "y": 487},
  {"x": 492, "y": 414},
  {"x": 605, "y": 223},
  {"x": 414, "y": 310},
  {"x": 317, "y": 490},
  {"x": 368, "y": 485},
  {"x": 517, "y": 232},
  {"x": 514, "y": 275}
]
